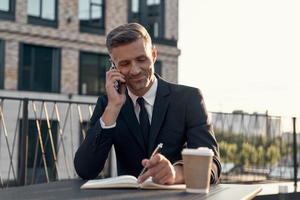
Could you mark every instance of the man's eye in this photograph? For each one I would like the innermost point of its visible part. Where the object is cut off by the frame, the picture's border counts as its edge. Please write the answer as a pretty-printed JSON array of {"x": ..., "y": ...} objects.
[
  {"x": 123, "y": 64},
  {"x": 141, "y": 59}
]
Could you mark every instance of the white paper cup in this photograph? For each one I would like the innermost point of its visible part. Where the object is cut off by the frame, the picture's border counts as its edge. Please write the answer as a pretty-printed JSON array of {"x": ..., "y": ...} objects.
[{"x": 197, "y": 169}]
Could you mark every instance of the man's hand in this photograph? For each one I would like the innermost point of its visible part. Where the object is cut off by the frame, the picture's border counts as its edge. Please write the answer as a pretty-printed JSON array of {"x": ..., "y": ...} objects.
[
  {"x": 161, "y": 171},
  {"x": 115, "y": 99}
]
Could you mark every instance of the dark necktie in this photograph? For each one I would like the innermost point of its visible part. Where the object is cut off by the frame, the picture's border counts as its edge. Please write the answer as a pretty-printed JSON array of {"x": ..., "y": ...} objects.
[{"x": 144, "y": 121}]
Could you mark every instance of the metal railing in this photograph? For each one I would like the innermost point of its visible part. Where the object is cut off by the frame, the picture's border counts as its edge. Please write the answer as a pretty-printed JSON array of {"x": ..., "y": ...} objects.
[
  {"x": 256, "y": 147},
  {"x": 38, "y": 139}
]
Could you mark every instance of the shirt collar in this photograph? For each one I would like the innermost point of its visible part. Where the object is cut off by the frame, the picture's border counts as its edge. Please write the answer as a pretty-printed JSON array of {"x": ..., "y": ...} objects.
[{"x": 149, "y": 96}]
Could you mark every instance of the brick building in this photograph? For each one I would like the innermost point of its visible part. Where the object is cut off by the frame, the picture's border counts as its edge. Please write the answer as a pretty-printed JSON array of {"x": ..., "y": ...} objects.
[
  {"x": 55, "y": 50},
  {"x": 58, "y": 46}
]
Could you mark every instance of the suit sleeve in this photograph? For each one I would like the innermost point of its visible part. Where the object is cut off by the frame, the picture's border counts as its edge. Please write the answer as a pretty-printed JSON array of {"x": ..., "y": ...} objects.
[
  {"x": 91, "y": 155},
  {"x": 200, "y": 132}
]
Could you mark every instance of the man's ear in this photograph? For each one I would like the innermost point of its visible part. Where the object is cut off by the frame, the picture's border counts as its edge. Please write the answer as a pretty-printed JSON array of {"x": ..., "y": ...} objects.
[{"x": 154, "y": 53}]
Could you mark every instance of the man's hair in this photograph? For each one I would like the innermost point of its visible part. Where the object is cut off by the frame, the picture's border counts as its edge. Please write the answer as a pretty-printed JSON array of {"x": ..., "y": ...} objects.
[{"x": 125, "y": 34}]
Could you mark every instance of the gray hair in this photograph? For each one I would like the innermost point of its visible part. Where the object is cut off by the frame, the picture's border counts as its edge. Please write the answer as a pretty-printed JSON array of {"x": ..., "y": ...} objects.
[{"x": 125, "y": 34}]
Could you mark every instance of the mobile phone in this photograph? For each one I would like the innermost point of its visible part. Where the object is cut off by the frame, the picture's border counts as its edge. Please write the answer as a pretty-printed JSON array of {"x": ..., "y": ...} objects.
[{"x": 116, "y": 83}]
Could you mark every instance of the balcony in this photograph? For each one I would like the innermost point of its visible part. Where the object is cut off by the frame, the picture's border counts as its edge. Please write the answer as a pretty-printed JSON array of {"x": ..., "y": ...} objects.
[{"x": 38, "y": 139}]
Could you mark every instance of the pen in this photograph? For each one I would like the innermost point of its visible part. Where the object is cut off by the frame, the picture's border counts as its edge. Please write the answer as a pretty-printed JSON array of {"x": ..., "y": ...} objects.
[{"x": 156, "y": 150}]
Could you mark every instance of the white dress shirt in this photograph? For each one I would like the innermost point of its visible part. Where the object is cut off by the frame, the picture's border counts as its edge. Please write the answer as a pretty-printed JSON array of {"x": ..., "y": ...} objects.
[{"x": 149, "y": 99}]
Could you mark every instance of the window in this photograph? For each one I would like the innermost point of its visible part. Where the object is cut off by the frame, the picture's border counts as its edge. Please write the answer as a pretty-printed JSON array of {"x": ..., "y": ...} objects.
[
  {"x": 39, "y": 69},
  {"x": 7, "y": 9},
  {"x": 157, "y": 67},
  {"x": 91, "y": 15},
  {"x": 92, "y": 73},
  {"x": 35, "y": 165},
  {"x": 2, "y": 55},
  {"x": 42, "y": 12},
  {"x": 135, "y": 14},
  {"x": 149, "y": 13},
  {"x": 155, "y": 18}
]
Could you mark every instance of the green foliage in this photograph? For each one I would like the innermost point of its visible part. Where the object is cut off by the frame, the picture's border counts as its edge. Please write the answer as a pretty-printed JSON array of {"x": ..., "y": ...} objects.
[
  {"x": 248, "y": 155},
  {"x": 273, "y": 155},
  {"x": 250, "y": 150},
  {"x": 260, "y": 156},
  {"x": 228, "y": 151}
]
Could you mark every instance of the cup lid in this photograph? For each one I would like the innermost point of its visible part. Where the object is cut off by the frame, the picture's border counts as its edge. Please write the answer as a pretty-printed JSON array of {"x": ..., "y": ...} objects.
[{"x": 199, "y": 151}]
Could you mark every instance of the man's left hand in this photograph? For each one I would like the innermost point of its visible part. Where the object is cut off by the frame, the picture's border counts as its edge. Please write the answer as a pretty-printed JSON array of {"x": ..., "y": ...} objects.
[{"x": 161, "y": 170}]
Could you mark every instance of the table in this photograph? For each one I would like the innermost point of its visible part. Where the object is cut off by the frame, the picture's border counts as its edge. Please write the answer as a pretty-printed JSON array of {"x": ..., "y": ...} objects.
[{"x": 70, "y": 189}]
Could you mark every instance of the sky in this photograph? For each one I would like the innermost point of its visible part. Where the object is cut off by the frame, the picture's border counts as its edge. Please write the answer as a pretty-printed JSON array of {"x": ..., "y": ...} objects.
[{"x": 242, "y": 54}]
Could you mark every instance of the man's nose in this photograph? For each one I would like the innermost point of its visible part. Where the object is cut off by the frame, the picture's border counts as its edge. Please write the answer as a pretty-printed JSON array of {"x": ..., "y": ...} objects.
[{"x": 135, "y": 68}]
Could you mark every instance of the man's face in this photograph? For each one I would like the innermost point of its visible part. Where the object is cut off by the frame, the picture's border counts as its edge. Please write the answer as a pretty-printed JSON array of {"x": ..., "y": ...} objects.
[{"x": 136, "y": 62}]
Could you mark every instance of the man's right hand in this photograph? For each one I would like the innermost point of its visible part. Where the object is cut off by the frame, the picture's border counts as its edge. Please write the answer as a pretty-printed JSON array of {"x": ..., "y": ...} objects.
[{"x": 115, "y": 99}]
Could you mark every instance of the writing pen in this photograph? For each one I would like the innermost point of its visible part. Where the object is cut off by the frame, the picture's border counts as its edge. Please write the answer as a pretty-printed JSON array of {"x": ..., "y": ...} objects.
[{"x": 156, "y": 150}]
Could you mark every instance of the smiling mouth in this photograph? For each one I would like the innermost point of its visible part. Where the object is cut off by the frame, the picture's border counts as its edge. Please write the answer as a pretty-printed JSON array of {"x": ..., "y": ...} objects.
[{"x": 137, "y": 79}]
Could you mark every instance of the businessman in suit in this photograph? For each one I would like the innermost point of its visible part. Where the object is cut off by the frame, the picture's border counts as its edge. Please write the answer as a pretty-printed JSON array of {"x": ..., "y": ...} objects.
[{"x": 140, "y": 112}]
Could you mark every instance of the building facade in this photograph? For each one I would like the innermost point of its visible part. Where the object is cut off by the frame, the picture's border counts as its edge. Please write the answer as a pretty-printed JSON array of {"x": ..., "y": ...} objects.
[
  {"x": 55, "y": 50},
  {"x": 58, "y": 46}
]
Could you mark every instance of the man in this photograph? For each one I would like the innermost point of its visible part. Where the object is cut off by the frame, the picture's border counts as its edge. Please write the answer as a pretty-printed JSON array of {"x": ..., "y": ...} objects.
[{"x": 167, "y": 113}]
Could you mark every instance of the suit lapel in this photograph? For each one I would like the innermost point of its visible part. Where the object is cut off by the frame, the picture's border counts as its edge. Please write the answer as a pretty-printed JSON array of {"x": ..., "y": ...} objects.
[
  {"x": 159, "y": 111},
  {"x": 131, "y": 120}
]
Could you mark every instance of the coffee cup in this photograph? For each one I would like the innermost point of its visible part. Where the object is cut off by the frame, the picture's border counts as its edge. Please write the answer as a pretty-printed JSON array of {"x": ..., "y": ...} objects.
[{"x": 197, "y": 169}]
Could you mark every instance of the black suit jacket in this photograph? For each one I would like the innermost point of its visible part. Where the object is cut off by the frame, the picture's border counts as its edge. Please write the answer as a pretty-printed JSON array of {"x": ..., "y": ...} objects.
[{"x": 179, "y": 119}]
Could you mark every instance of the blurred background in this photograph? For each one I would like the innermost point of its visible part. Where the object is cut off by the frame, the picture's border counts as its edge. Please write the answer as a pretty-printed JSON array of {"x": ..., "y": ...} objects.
[{"x": 242, "y": 55}]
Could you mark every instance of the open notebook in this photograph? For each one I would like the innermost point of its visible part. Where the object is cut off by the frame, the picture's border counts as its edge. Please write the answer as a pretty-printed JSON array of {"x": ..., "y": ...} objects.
[{"x": 127, "y": 181}]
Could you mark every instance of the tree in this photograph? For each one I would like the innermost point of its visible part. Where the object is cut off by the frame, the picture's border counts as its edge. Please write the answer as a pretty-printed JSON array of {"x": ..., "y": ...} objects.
[
  {"x": 273, "y": 155},
  {"x": 260, "y": 156},
  {"x": 248, "y": 155},
  {"x": 228, "y": 151}
]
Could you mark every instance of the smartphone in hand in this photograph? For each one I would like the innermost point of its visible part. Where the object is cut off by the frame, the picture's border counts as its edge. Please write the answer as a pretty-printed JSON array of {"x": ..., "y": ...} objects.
[{"x": 117, "y": 84}]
